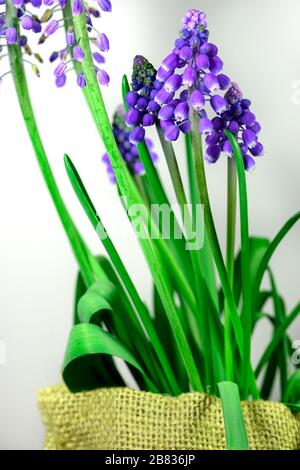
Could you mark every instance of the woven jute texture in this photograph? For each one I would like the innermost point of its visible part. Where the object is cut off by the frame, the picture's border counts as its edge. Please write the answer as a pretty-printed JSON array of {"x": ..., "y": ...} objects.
[{"x": 124, "y": 419}]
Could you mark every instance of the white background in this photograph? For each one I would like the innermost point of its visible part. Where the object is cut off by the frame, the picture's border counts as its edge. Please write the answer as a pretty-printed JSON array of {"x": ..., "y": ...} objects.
[{"x": 259, "y": 42}]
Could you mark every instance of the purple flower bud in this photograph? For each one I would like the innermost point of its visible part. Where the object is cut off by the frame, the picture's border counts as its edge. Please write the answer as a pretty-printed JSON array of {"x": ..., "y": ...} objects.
[
  {"x": 170, "y": 62},
  {"x": 131, "y": 98},
  {"x": 258, "y": 150},
  {"x": 163, "y": 74},
  {"x": 153, "y": 107},
  {"x": 77, "y": 7},
  {"x": 78, "y": 53},
  {"x": 215, "y": 65},
  {"x": 166, "y": 112},
  {"x": 227, "y": 148},
  {"x": 197, "y": 100},
  {"x": 81, "y": 82},
  {"x": 103, "y": 42},
  {"x": 205, "y": 126},
  {"x": 185, "y": 127},
  {"x": 60, "y": 69},
  {"x": 173, "y": 83},
  {"x": 179, "y": 43},
  {"x": 105, "y": 5},
  {"x": 142, "y": 103},
  {"x": 133, "y": 117},
  {"x": 249, "y": 138},
  {"x": 62, "y": 3},
  {"x": 53, "y": 56},
  {"x": 11, "y": 35},
  {"x": 224, "y": 81},
  {"x": 148, "y": 120},
  {"x": 61, "y": 80},
  {"x": 48, "y": 2},
  {"x": 212, "y": 138},
  {"x": 27, "y": 22},
  {"x": 189, "y": 76},
  {"x": 249, "y": 163},
  {"x": 234, "y": 127},
  {"x": 247, "y": 118},
  {"x": 184, "y": 95},
  {"x": 37, "y": 27},
  {"x": 186, "y": 53},
  {"x": 165, "y": 124},
  {"x": 163, "y": 97},
  {"x": 194, "y": 20},
  {"x": 137, "y": 135},
  {"x": 98, "y": 58},
  {"x": 245, "y": 103},
  {"x": 212, "y": 50},
  {"x": 36, "y": 3},
  {"x": 103, "y": 77},
  {"x": 202, "y": 61},
  {"x": 22, "y": 41},
  {"x": 158, "y": 84},
  {"x": 70, "y": 37},
  {"x": 211, "y": 82},
  {"x": 256, "y": 127},
  {"x": 218, "y": 104},
  {"x": 51, "y": 27},
  {"x": 171, "y": 133},
  {"x": 153, "y": 94},
  {"x": 217, "y": 123},
  {"x": 212, "y": 153},
  {"x": 181, "y": 112},
  {"x": 17, "y": 3}
]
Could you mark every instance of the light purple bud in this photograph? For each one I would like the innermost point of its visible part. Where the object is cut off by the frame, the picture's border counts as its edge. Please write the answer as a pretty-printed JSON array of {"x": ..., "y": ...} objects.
[
  {"x": 258, "y": 150},
  {"x": 171, "y": 133},
  {"x": 60, "y": 69},
  {"x": 227, "y": 148},
  {"x": 197, "y": 100},
  {"x": 170, "y": 62},
  {"x": 103, "y": 42},
  {"x": 247, "y": 118},
  {"x": 166, "y": 112},
  {"x": 11, "y": 35},
  {"x": 103, "y": 77},
  {"x": 179, "y": 43},
  {"x": 98, "y": 58},
  {"x": 70, "y": 37},
  {"x": 133, "y": 117},
  {"x": 78, "y": 53},
  {"x": 212, "y": 153},
  {"x": 234, "y": 127},
  {"x": 163, "y": 97},
  {"x": 61, "y": 80},
  {"x": 205, "y": 126},
  {"x": 249, "y": 163},
  {"x": 173, "y": 83},
  {"x": 186, "y": 53},
  {"x": 218, "y": 104},
  {"x": 181, "y": 112},
  {"x": 51, "y": 27},
  {"x": 17, "y": 3},
  {"x": 27, "y": 22},
  {"x": 202, "y": 61},
  {"x": 215, "y": 65},
  {"x": 137, "y": 135},
  {"x": 189, "y": 76},
  {"x": 131, "y": 98},
  {"x": 77, "y": 8},
  {"x": 81, "y": 82},
  {"x": 163, "y": 74},
  {"x": 48, "y": 3},
  {"x": 105, "y": 5},
  {"x": 148, "y": 120},
  {"x": 249, "y": 138},
  {"x": 185, "y": 127},
  {"x": 211, "y": 82},
  {"x": 205, "y": 48},
  {"x": 224, "y": 81}
]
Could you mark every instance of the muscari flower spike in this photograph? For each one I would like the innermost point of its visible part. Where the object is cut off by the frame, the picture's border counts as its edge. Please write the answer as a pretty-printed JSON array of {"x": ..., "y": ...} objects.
[
  {"x": 128, "y": 150},
  {"x": 71, "y": 49},
  {"x": 190, "y": 79},
  {"x": 9, "y": 35}
]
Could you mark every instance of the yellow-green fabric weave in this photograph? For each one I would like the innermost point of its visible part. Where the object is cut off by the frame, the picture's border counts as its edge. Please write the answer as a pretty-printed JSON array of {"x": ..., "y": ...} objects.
[{"x": 124, "y": 419}]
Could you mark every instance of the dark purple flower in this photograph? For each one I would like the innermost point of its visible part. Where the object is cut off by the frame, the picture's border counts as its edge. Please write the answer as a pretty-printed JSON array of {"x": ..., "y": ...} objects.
[
  {"x": 166, "y": 112},
  {"x": 53, "y": 56},
  {"x": 211, "y": 82},
  {"x": 249, "y": 163},
  {"x": 202, "y": 61},
  {"x": 36, "y": 3},
  {"x": 205, "y": 126},
  {"x": 133, "y": 117},
  {"x": 163, "y": 97},
  {"x": 212, "y": 153},
  {"x": 249, "y": 138},
  {"x": 181, "y": 112},
  {"x": 170, "y": 62},
  {"x": 189, "y": 76},
  {"x": 81, "y": 82},
  {"x": 257, "y": 150}
]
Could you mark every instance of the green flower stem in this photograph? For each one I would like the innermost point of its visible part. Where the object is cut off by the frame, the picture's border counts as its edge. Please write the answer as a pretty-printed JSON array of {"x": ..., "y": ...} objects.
[
  {"x": 230, "y": 244},
  {"x": 20, "y": 82},
  {"x": 130, "y": 192},
  {"x": 212, "y": 234}
]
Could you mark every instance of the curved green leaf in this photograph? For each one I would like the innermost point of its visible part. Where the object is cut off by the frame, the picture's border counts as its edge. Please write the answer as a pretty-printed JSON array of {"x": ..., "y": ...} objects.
[
  {"x": 82, "y": 367},
  {"x": 96, "y": 302}
]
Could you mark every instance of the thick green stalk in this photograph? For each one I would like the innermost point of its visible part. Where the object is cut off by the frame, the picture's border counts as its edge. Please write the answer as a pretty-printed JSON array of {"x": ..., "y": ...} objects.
[
  {"x": 230, "y": 244},
  {"x": 20, "y": 82},
  {"x": 130, "y": 192}
]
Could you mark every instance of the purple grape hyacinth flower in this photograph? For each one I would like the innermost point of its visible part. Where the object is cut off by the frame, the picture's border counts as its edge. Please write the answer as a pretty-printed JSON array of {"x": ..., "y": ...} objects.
[
  {"x": 128, "y": 150},
  {"x": 105, "y": 5},
  {"x": 190, "y": 82},
  {"x": 11, "y": 35}
]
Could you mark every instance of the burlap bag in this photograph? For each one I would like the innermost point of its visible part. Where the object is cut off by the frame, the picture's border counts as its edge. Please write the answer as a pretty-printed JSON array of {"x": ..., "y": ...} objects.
[{"x": 123, "y": 419}]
